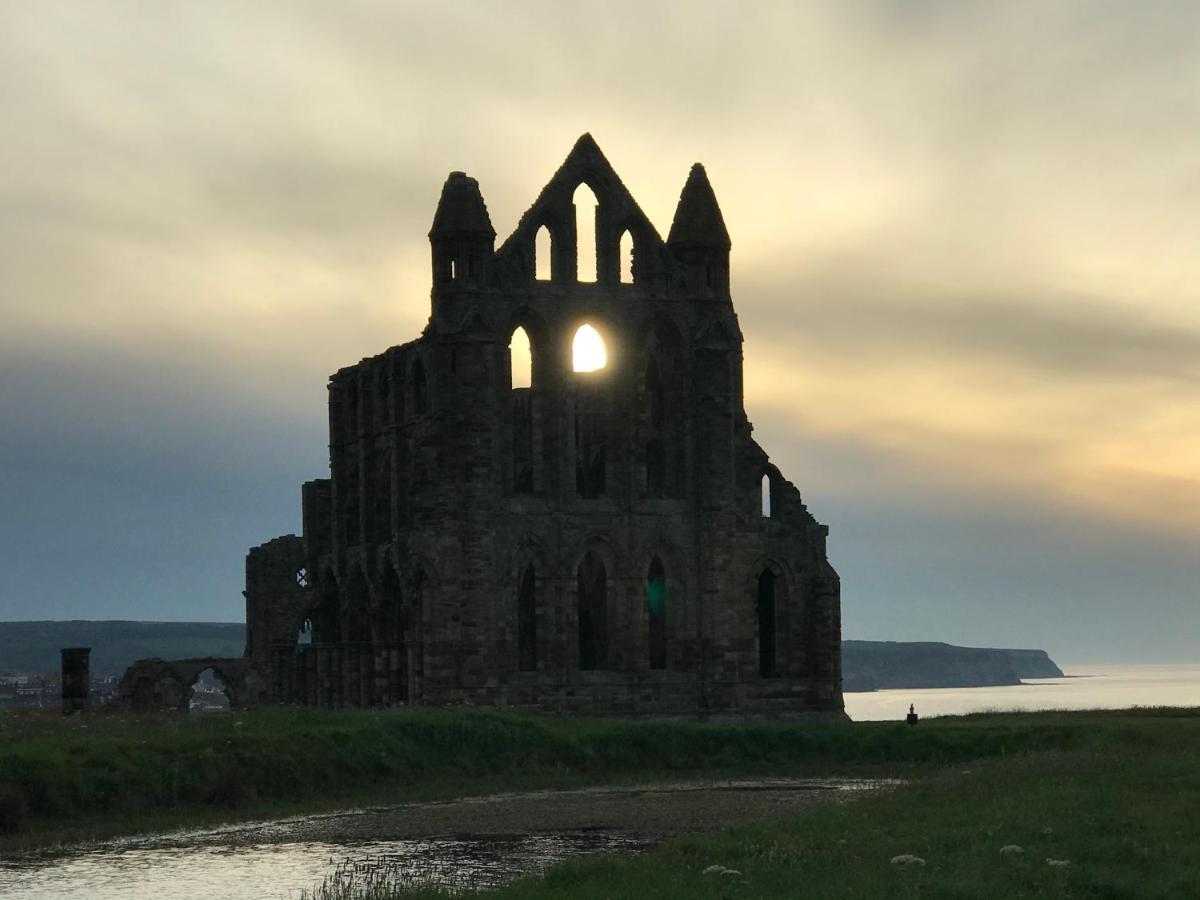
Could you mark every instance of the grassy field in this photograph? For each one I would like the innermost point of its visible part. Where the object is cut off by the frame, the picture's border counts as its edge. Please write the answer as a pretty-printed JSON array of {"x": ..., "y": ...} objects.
[
  {"x": 104, "y": 774},
  {"x": 1119, "y": 813},
  {"x": 1116, "y": 794}
]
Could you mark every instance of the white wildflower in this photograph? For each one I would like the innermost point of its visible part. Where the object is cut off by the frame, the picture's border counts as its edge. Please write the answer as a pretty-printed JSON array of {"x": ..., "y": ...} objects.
[
  {"x": 720, "y": 870},
  {"x": 907, "y": 859},
  {"x": 1058, "y": 863},
  {"x": 1012, "y": 850}
]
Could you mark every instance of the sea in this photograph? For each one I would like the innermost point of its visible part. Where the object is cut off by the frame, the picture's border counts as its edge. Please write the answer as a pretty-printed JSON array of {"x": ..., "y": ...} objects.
[{"x": 1082, "y": 687}]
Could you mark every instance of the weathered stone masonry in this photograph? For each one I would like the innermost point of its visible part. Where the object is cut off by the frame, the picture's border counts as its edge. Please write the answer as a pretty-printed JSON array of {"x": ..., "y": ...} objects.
[{"x": 594, "y": 543}]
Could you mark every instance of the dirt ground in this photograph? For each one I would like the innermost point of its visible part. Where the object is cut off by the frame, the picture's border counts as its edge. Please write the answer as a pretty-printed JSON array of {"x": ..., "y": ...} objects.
[{"x": 652, "y": 812}]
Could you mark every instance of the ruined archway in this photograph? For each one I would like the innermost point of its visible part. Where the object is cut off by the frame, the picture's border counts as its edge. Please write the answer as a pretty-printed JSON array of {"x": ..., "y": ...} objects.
[{"x": 208, "y": 693}]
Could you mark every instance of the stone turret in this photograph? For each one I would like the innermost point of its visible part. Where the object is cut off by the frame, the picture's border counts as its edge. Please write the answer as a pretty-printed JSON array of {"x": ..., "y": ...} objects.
[
  {"x": 462, "y": 237},
  {"x": 698, "y": 236}
]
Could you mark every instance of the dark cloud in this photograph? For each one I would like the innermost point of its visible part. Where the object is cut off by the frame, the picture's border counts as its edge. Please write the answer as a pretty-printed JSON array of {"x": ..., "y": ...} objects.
[{"x": 1081, "y": 338}]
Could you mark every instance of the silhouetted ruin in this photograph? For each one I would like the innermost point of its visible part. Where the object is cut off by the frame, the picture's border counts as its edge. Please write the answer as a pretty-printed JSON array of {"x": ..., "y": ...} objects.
[{"x": 585, "y": 535}]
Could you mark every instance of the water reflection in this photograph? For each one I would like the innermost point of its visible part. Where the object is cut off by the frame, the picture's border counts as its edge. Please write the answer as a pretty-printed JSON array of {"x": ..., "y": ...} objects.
[
  {"x": 407, "y": 845},
  {"x": 285, "y": 870},
  {"x": 472, "y": 863}
]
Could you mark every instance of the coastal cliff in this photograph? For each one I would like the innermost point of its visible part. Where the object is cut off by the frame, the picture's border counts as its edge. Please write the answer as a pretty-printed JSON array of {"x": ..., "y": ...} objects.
[{"x": 879, "y": 665}]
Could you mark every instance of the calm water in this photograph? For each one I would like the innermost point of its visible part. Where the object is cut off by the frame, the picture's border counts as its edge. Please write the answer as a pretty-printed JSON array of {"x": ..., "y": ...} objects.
[
  {"x": 1085, "y": 687},
  {"x": 284, "y": 870}
]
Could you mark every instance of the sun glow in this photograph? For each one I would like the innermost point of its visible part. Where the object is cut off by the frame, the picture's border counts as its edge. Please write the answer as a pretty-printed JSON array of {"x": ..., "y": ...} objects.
[{"x": 587, "y": 350}]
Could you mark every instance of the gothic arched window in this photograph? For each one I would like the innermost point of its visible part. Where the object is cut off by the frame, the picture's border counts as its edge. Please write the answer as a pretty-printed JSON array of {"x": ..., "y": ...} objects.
[{"x": 656, "y": 610}]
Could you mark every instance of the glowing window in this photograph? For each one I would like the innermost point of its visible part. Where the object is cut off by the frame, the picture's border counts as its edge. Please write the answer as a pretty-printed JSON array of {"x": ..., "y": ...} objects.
[
  {"x": 521, "y": 358},
  {"x": 626, "y": 253},
  {"x": 587, "y": 350},
  {"x": 766, "y": 496},
  {"x": 543, "y": 254},
  {"x": 585, "y": 232}
]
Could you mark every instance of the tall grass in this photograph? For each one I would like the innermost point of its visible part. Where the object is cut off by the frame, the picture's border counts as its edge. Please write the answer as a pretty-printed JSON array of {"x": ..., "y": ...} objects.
[{"x": 1120, "y": 812}]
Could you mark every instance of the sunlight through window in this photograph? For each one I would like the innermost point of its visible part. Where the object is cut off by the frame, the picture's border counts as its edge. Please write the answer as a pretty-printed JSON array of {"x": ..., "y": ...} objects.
[
  {"x": 587, "y": 350},
  {"x": 585, "y": 232},
  {"x": 543, "y": 254},
  {"x": 521, "y": 357}
]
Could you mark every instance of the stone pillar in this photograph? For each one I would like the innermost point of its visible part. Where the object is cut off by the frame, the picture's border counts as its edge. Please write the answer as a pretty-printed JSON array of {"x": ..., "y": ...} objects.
[{"x": 76, "y": 678}]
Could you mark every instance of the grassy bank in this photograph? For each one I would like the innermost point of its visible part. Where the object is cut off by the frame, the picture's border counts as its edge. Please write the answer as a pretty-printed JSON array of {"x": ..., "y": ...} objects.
[
  {"x": 66, "y": 779},
  {"x": 1121, "y": 808},
  {"x": 102, "y": 774}
]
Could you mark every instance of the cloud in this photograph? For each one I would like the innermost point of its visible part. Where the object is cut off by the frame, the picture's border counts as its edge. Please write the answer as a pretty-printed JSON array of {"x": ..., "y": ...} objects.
[
  {"x": 963, "y": 259},
  {"x": 1054, "y": 336}
]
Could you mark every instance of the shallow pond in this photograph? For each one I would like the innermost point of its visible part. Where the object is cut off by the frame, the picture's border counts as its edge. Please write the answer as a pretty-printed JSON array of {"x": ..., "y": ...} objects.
[{"x": 465, "y": 844}]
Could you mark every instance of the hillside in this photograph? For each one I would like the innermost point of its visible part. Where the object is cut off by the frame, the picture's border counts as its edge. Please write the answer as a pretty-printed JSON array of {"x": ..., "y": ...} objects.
[
  {"x": 32, "y": 647},
  {"x": 879, "y": 665}
]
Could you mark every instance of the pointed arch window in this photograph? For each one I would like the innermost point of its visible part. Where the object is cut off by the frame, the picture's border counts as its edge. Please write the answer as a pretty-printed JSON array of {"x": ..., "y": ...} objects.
[
  {"x": 585, "y": 233},
  {"x": 527, "y": 620},
  {"x": 656, "y": 613},
  {"x": 592, "y": 594},
  {"x": 766, "y": 624},
  {"x": 520, "y": 354},
  {"x": 764, "y": 489},
  {"x": 543, "y": 255},
  {"x": 625, "y": 250},
  {"x": 520, "y": 357},
  {"x": 588, "y": 352},
  {"x": 654, "y": 392}
]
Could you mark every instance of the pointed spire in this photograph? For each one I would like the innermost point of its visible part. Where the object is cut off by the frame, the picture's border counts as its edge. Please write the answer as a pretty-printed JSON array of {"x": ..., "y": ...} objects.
[
  {"x": 698, "y": 221},
  {"x": 461, "y": 210},
  {"x": 586, "y": 145}
]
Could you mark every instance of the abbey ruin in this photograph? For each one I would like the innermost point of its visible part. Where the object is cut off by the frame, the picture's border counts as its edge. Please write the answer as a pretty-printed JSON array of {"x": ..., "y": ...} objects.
[{"x": 593, "y": 531}]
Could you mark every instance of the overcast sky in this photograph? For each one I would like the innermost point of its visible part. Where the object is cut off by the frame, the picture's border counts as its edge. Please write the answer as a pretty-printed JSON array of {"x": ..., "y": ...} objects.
[{"x": 966, "y": 260}]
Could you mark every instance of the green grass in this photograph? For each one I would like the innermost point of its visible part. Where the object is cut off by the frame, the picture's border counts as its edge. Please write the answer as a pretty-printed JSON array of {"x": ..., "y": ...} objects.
[
  {"x": 104, "y": 774},
  {"x": 1123, "y": 807},
  {"x": 1116, "y": 793}
]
